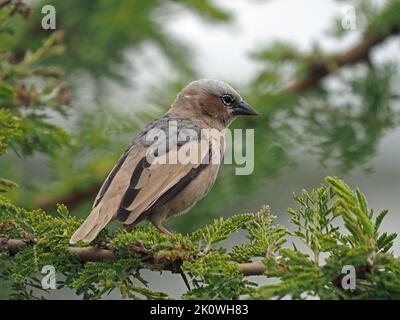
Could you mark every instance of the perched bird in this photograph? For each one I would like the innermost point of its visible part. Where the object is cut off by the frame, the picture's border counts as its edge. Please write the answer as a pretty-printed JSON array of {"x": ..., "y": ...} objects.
[{"x": 143, "y": 185}]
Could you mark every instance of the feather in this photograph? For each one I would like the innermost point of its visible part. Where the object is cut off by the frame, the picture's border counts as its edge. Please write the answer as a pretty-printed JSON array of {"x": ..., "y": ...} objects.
[
  {"x": 109, "y": 198},
  {"x": 160, "y": 177},
  {"x": 136, "y": 186}
]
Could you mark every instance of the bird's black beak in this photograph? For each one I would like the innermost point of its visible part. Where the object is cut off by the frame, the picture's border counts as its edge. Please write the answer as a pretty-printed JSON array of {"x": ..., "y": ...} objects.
[{"x": 244, "y": 109}]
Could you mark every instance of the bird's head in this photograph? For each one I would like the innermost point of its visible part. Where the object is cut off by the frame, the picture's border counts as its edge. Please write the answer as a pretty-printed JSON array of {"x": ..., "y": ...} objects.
[{"x": 211, "y": 101}]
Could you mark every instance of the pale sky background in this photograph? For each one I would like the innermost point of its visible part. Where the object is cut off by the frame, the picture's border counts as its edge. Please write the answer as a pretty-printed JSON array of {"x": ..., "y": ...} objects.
[{"x": 223, "y": 51}]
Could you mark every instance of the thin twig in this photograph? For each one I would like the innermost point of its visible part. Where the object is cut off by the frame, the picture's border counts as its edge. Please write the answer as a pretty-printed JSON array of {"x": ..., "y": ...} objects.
[{"x": 185, "y": 280}]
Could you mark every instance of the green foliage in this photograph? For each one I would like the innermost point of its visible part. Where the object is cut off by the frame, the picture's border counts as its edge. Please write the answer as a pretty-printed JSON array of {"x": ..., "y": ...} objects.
[
  {"x": 265, "y": 238},
  {"x": 9, "y": 129},
  {"x": 385, "y": 21},
  {"x": 332, "y": 225},
  {"x": 99, "y": 32},
  {"x": 215, "y": 277},
  {"x": 210, "y": 270},
  {"x": 29, "y": 91},
  {"x": 51, "y": 249},
  {"x": 361, "y": 245},
  {"x": 30, "y": 94},
  {"x": 213, "y": 271},
  {"x": 215, "y": 274},
  {"x": 220, "y": 229}
]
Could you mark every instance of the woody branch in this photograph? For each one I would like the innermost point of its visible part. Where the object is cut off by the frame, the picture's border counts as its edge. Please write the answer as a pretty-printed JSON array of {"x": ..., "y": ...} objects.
[{"x": 93, "y": 254}]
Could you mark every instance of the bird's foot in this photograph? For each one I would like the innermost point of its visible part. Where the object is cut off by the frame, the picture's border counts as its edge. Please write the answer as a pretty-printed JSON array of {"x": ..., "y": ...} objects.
[{"x": 162, "y": 229}]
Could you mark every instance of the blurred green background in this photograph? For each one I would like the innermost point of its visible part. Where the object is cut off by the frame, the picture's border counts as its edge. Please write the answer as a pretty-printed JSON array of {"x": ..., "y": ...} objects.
[{"x": 122, "y": 63}]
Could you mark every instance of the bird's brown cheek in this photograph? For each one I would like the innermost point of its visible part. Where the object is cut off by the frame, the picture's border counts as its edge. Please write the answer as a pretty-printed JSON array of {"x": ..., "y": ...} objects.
[{"x": 212, "y": 105}]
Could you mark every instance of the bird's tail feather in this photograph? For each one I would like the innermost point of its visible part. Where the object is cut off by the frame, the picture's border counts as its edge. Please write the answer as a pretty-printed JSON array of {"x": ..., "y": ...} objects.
[{"x": 91, "y": 227}]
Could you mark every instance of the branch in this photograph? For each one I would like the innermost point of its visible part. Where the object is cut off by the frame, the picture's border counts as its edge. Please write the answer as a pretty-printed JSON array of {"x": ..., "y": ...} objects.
[
  {"x": 18, "y": 6},
  {"x": 71, "y": 200},
  {"x": 12, "y": 246},
  {"x": 93, "y": 254},
  {"x": 357, "y": 53},
  {"x": 252, "y": 269}
]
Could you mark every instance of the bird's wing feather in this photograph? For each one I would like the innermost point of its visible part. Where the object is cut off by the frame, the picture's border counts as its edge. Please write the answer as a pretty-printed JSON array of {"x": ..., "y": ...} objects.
[
  {"x": 110, "y": 177},
  {"x": 159, "y": 177},
  {"x": 109, "y": 197}
]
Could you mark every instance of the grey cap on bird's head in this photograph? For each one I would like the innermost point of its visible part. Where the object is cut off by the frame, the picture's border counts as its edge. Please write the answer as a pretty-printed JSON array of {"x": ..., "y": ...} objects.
[{"x": 224, "y": 90}]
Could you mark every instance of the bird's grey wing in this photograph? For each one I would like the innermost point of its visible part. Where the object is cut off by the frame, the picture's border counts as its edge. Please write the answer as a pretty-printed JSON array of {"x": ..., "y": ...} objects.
[{"x": 155, "y": 183}]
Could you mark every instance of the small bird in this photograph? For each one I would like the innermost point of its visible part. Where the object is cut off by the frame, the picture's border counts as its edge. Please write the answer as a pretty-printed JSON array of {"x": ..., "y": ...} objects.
[{"x": 142, "y": 185}]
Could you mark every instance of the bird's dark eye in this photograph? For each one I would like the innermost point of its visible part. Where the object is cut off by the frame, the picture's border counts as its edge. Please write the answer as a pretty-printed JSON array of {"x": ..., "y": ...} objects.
[{"x": 227, "y": 99}]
